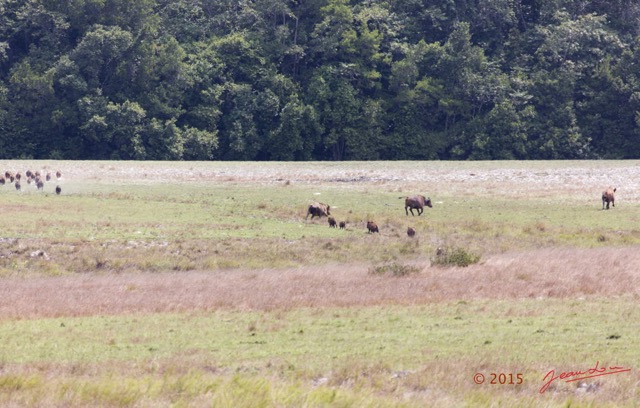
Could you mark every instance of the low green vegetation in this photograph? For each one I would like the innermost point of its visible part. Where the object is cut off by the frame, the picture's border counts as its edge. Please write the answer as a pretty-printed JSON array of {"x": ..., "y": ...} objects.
[
  {"x": 454, "y": 257},
  {"x": 152, "y": 226},
  {"x": 319, "y": 357},
  {"x": 403, "y": 351}
]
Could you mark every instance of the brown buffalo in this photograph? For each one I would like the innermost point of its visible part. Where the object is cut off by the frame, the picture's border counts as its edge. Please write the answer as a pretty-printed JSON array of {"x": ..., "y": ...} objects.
[
  {"x": 608, "y": 197},
  {"x": 372, "y": 227},
  {"x": 332, "y": 222},
  {"x": 343, "y": 224},
  {"x": 318, "y": 210},
  {"x": 416, "y": 202},
  {"x": 411, "y": 232}
]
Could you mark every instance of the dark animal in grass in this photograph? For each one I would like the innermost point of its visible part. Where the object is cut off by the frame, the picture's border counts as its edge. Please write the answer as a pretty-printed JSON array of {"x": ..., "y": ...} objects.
[
  {"x": 29, "y": 173},
  {"x": 372, "y": 227},
  {"x": 411, "y": 232},
  {"x": 332, "y": 222},
  {"x": 343, "y": 225},
  {"x": 318, "y": 210},
  {"x": 18, "y": 185},
  {"x": 2, "y": 181},
  {"x": 58, "y": 174},
  {"x": 48, "y": 177},
  {"x": 40, "y": 184},
  {"x": 18, "y": 176},
  {"x": 58, "y": 190},
  {"x": 416, "y": 202},
  {"x": 608, "y": 197}
]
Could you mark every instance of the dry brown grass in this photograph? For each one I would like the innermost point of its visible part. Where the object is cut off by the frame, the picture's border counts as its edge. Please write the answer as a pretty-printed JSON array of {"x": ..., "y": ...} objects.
[{"x": 553, "y": 273}]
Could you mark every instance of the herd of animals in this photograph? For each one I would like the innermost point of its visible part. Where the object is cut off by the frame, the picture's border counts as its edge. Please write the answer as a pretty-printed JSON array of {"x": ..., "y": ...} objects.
[
  {"x": 29, "y": 177},
  {"x": 416, "y": 202}
]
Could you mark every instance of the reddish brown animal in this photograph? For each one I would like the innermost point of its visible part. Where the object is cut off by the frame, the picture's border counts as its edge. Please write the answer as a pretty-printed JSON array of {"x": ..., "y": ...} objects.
[
  {"x": 332, "y": 223},
  {"x": 372, "y": 227},
  {"x": 411, "y": 232},
  {"x": 608, "y": 197},
  {"x": 318, "y": 210},
  {"x": 416, "y": 202}
]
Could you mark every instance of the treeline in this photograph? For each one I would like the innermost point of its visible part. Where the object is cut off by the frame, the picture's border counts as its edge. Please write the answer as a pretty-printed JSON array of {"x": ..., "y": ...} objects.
[{"x": 319, "y": 79}]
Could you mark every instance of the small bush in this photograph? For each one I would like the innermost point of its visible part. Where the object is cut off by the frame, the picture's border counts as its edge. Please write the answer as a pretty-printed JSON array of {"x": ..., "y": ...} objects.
[
  {"x": 394, "y": 269},
  {"x": 454, "y": 257}
]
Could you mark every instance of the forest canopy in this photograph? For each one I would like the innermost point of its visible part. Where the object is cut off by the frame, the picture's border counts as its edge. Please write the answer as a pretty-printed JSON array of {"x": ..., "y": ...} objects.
[{"x": 319, "y": 79}]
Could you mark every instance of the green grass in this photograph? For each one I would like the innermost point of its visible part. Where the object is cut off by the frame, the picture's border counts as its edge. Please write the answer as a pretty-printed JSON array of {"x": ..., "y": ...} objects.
[
  {"x": 124, "y": 218},
  {"x": 364, "y": 348},
  {"x": 211, "y": 226}
]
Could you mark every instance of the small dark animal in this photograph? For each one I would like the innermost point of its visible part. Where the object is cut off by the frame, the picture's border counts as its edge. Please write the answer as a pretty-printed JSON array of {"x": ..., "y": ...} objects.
[
  {"x": 18, "y": 185},
  {"x": 318, "y": 210},
  {"x": 18, "y": 176},
  {"x": 416, "y": 202},
  {"x": 608, "y": 197},
  {"x": 332, "y": 222},
  {"x": 58, "y": 190},
  {"x": 2, "y": 181},
  {"x": 411, "y": 232},
  {"x": 40, "y": 184},
  {"x": 48, "y": 177},
  {"x": 343, "y": 225},
  {"x": 58, "y": 174},
  {"x": 29, "y": 173},
  {"x": 372, "y": 227}
]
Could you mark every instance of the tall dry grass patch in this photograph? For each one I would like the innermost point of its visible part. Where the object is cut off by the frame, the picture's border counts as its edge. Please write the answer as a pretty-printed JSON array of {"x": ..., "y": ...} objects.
[{"x": 553, "y": 273}]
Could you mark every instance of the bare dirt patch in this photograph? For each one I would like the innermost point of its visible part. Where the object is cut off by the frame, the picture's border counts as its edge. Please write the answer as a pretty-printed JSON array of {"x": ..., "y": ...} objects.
[{"x": 547, "y": 273}]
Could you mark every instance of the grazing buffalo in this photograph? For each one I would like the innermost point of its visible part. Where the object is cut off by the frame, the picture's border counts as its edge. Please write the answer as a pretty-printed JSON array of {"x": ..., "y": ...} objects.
[
  {"x": 372, "y": 227},
  {"x": 411, "y": 232},
  {"x": 418, "y": 202},
  {"x": 343, "y": 224},
  {"x": 58, "y": 190},
  {"x": 318, "y": 210},
  {"x": 608, "y": 197},
  {"x": 17, "y": 185},
  {"x": 332, "y": 222}
]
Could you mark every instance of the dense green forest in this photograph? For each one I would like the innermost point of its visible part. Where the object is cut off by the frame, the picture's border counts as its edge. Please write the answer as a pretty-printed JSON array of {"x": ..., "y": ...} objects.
[{"x": 319, "y": 79}]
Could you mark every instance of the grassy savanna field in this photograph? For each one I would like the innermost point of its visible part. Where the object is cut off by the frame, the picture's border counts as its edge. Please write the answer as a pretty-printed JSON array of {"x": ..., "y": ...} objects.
[{"x": 202, "y": 284}]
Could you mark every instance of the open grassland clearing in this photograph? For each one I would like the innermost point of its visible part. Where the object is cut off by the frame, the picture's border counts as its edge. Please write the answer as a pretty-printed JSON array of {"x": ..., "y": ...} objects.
[{"x": 202, "y": 284}]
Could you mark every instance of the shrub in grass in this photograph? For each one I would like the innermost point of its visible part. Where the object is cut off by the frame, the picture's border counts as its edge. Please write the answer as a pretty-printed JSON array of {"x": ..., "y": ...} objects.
[
  {"x": 454, "y": 257},
  {"x": 394, "y": 269}
]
